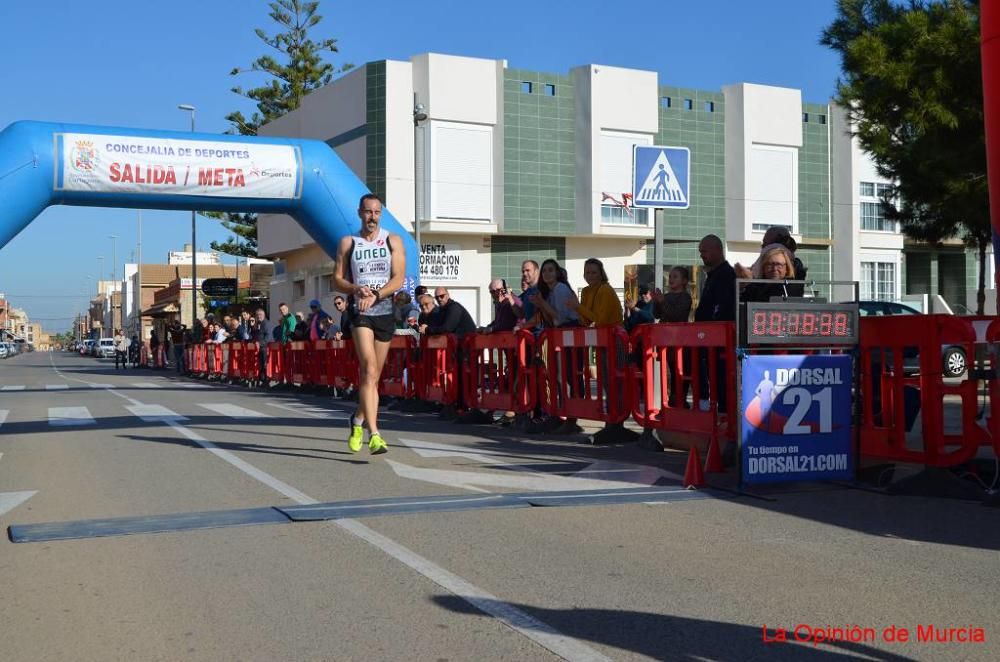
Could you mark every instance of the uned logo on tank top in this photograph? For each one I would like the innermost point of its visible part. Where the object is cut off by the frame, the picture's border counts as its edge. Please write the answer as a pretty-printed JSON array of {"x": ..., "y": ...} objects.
[{"x": 361, "y": 254}]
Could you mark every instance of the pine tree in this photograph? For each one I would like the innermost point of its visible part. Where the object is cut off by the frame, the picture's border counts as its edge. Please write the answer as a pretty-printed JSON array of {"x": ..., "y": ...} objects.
[
  {"x": 912, "y": 84},
  {"x": 299, "y": 69}
]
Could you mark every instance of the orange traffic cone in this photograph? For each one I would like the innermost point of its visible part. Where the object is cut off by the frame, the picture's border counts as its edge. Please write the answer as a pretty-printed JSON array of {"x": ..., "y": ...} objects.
[
  {"x": 713, "y": 459},
  {"x": 693, "y": 476}
]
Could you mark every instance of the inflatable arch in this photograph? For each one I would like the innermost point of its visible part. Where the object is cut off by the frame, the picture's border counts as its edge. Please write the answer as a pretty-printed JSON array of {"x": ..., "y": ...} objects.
[{"x": 43, "y": 164}]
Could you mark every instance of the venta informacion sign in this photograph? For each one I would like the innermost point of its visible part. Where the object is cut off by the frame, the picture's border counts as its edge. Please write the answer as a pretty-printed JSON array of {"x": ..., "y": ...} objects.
[{"x": 440, "y": 262}]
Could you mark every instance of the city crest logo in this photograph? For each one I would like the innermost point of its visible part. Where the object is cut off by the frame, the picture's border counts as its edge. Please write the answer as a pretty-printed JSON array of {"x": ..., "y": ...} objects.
[{"x": 84, "y": 156}]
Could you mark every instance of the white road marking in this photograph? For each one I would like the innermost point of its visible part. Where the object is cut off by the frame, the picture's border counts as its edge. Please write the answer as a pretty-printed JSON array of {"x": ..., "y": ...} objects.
[
  {"x": 312, "y": 413},
  {"x": 609, "y": 474},
  {"x": 234, "y": 411},
  {"x": 185, "y": 385},
  {"x": 101, "y": 386},
  {"x": 3, "y": 417},
  {"x": 566, "y": 647},
  {"x": 155, "y": 413},
  {"x": 56, "y": 387},
  {"x": 67, "y": 416},
  {"x": 519, "y": 621},
  {"x": 11, "y": 500},
  {"x": 145, "y": 385},
  {"x": 517, "y": 480},
  {"x": 247, "y": 468},
  {"x": 436, "y": 449},
  {"x": 11, "y": 388}
]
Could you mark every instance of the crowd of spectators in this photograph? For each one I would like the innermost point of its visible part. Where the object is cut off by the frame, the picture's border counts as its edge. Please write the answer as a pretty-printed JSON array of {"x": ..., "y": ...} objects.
[{"x": 546, "y": 300}]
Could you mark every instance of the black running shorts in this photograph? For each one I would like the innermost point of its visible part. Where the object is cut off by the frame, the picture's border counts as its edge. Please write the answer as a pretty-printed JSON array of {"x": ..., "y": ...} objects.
[{"x": 383, "y": 326}]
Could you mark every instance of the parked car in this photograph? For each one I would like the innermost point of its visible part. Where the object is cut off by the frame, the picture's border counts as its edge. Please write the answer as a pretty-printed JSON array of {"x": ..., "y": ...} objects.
[
  {"x": 106, "y": 348},
  {"x": 85, "y": 347},
  {"x": 3, "y": 350},
  {"x": 953, "y": 360}
]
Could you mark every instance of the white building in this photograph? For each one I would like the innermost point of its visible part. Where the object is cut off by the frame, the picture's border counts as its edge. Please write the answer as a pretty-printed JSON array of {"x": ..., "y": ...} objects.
[{"x": 501, "y": 164}]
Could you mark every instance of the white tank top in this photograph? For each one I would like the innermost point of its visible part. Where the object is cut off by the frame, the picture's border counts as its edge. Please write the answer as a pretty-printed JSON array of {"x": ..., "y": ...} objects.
[{"x": 371, "y": 265}]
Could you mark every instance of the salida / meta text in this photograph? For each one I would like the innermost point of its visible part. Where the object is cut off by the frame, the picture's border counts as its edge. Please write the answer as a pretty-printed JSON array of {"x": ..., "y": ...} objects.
[{"x": 127, "y": 173}]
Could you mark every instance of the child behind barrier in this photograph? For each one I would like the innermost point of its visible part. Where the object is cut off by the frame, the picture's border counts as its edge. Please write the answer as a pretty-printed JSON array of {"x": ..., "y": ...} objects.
[{"x": 675, "y": 306}]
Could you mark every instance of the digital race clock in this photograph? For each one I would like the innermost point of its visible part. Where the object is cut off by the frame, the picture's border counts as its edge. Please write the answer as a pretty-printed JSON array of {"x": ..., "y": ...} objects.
[{"x": 802, "y": 323}]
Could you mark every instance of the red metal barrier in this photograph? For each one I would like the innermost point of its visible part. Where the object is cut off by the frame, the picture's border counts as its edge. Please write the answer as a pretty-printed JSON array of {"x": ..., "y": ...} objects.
[
  {"x": 214, "y": 359},
  {"x": 680, "y": 348},
  {"x": 992, "y": 358},
  {"x": 250, "y": 365},
  {"x": 398, "y": 377},
  {"x": 344, "y": 364},
  {"x": 903, "y": 354},
  {"x": 230, "y": 360},
  {"x": 324, "y": 368},
  {"x": 439, "y": 369},
  {"x": 500, "y": 371},
  {"x": 199, "y": 359},
  {"x": 276, "y": 362},
  {"x": 570, "y": 389},
  {"x": 296, "y": 369}
]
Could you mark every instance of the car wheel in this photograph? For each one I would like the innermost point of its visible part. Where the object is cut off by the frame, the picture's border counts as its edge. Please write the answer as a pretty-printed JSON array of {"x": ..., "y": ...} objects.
[{"x": 954, "y": 362}]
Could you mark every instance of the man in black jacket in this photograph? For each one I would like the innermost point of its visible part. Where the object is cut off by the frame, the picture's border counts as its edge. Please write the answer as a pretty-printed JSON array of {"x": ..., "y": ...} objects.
[
  {"x": 716, "y": 304},
  {"x": 451, "y": 317},
  {"x": 718, "y": 297}
]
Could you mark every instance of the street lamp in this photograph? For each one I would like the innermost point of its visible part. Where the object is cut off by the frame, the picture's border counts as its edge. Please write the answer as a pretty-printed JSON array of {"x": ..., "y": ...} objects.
[
  {"x": 114, "y": 275},
  {"x": 194, "y": 258},
  {"x": 419, "y": 115}
]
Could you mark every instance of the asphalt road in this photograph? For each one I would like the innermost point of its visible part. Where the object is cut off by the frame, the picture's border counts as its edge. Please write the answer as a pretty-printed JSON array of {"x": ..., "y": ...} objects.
[{"x": 682, "y": 579}]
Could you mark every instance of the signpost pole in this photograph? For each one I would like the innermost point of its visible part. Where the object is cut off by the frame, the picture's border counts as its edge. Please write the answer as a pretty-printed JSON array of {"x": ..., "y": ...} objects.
[{"x": 658, "y": 248}]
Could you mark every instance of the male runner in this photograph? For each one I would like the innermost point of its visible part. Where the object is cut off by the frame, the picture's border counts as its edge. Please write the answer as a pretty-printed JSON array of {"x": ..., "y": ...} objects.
[{"x": 377, "y": 269}]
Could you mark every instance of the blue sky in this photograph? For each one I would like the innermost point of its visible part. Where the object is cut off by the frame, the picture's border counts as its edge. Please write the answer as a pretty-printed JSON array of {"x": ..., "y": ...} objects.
[{"x": 130, "y": 63}]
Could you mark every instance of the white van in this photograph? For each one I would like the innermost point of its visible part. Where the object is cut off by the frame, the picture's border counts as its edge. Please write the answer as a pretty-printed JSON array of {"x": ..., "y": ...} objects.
[{"x": 106, "y": 348}]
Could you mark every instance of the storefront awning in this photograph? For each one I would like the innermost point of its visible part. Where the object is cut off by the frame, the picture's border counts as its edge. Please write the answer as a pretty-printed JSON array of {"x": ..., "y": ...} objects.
[{"x": 162, "y": 309}]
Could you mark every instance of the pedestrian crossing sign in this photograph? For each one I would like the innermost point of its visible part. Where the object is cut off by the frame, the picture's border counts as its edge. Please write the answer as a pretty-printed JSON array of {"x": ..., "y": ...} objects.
[{"x": 661, "y": 177}]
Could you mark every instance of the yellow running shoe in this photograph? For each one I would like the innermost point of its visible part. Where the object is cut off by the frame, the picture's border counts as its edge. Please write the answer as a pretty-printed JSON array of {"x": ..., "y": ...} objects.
[
  {"x": 377, "y": 445},
  {"x": 357, "y": 436}
]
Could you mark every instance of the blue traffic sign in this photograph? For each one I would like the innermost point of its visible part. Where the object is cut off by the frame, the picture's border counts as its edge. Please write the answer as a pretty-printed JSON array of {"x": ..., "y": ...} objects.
[{"x": 661, "y": 177}]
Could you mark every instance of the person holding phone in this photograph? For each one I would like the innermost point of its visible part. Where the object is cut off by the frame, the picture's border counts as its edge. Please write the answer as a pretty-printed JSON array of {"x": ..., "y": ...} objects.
[{"x": 504, "y": 301}]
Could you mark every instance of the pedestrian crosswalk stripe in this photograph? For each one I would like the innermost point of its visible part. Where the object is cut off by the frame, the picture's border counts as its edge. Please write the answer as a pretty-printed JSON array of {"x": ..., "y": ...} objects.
[
  {"x": 3, "y": 417},
  {"x": 67, "y": 416},
  {"x": 146, "y": 385},
  {"x": 195, "y": 386},
  {"x": 101, "y": 386},
  {"x": 313, "y": 412},
  {"x": 234, "y": 411},
  {"x": 11, "y": 388},
  {"x": 154, "y": 413},
  {"x": 56, "y": 387}
]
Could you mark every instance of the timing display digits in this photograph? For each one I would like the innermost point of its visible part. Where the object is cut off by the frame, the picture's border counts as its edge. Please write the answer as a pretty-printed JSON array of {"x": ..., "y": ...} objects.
[{"x": 826, "y": 323}]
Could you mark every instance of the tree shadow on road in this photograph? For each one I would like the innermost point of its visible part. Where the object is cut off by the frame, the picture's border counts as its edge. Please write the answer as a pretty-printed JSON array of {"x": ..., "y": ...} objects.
[{"x": 667, "y": 637}]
